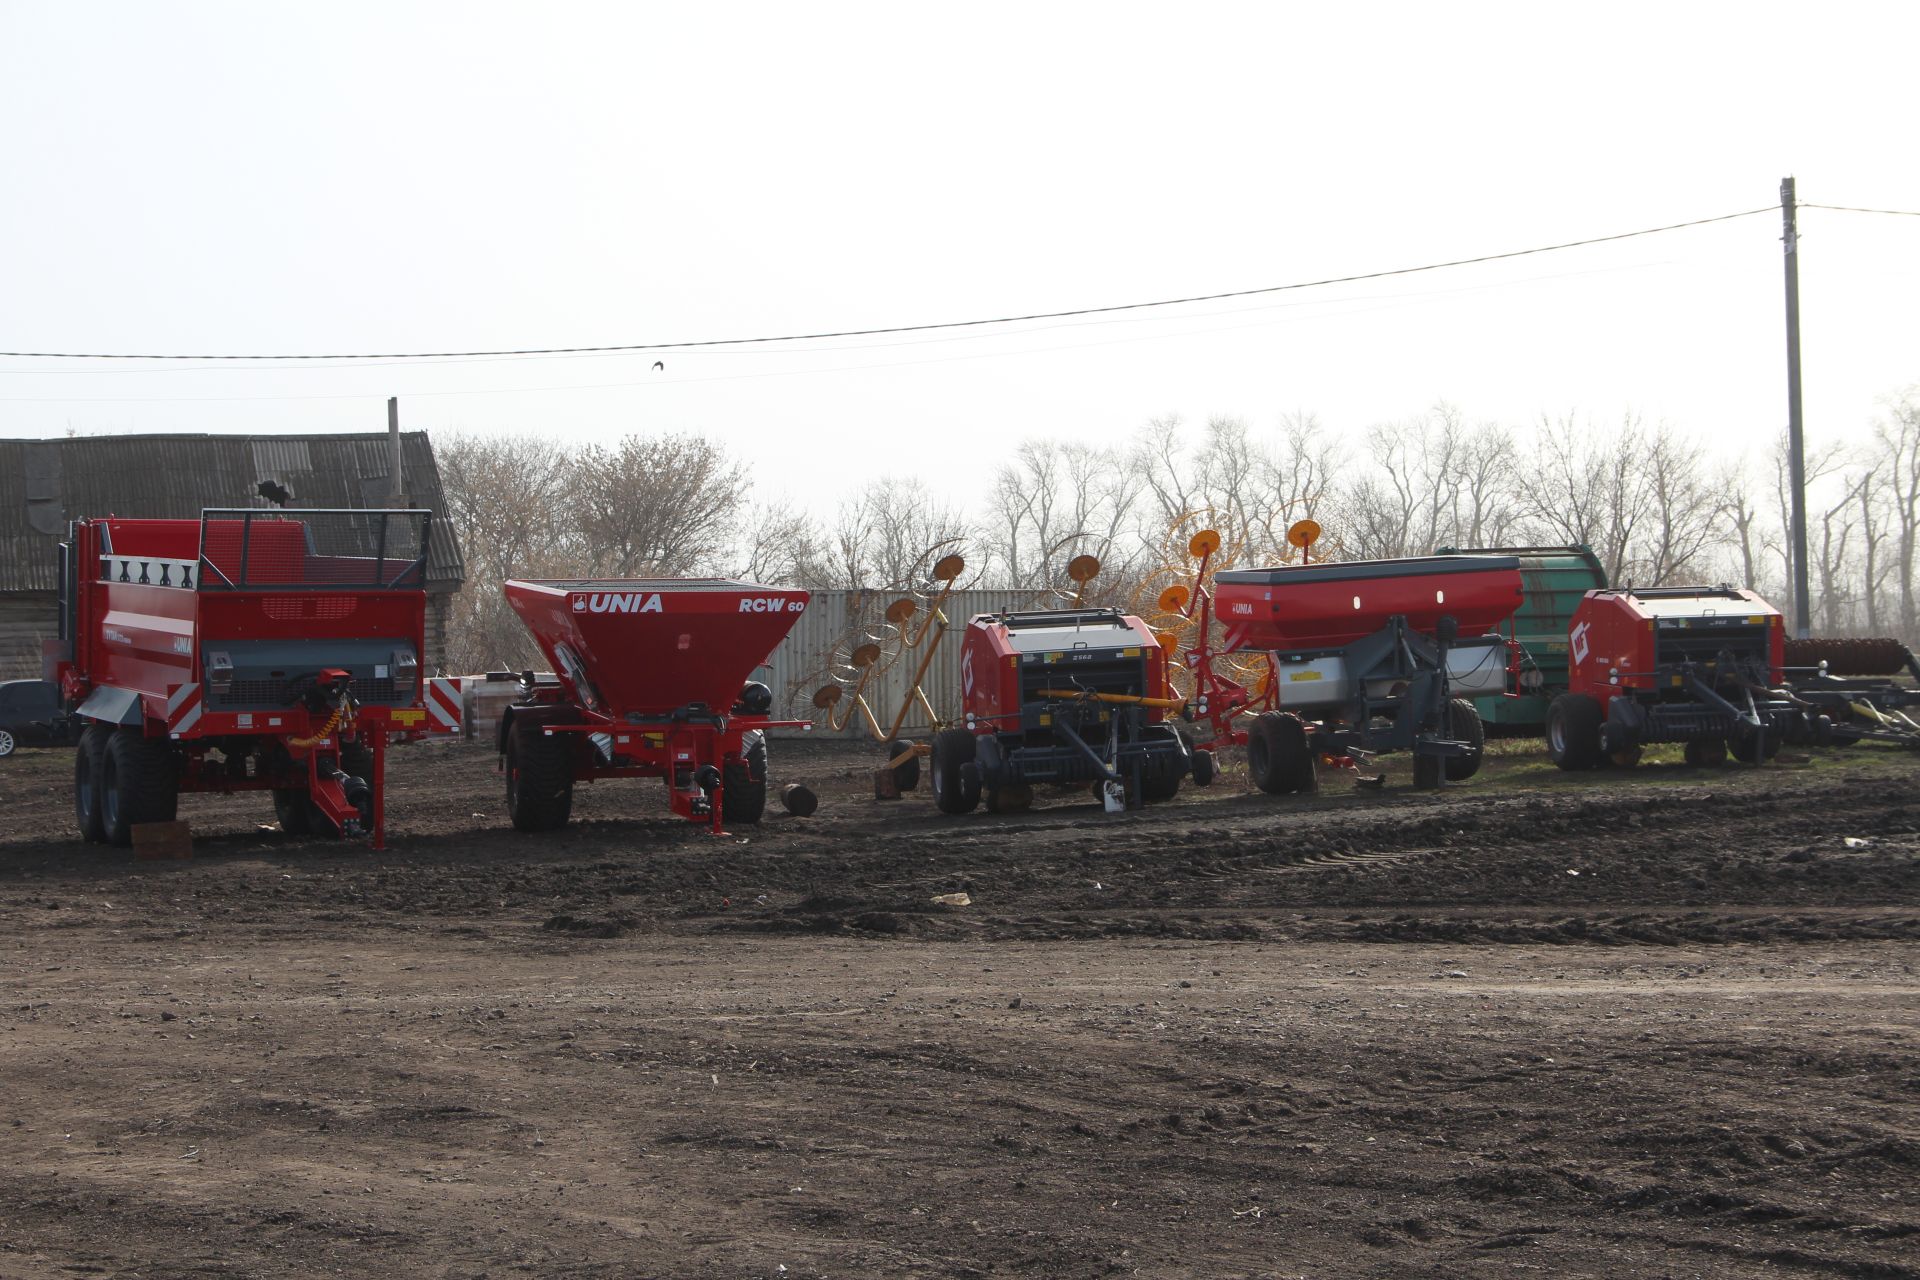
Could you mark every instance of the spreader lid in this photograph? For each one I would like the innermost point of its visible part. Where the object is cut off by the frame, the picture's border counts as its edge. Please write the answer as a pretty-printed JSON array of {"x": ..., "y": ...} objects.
[
  {"x": 645, "y": 584},
  {"x": 1364, "y": 570},
  {"x": 649, "y": 646}
]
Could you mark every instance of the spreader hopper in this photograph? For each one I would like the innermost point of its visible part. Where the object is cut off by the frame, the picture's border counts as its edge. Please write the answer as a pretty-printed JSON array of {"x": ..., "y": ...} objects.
[
  {"x": 654, "y": 645},
  {"x": 1324, "y": 606}
]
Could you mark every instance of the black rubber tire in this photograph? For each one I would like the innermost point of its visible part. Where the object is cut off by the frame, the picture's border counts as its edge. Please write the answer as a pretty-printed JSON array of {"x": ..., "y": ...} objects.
[
  {"x": 1463, "y": 725},
  {"x": 1202, "y": 767},
  {"x": 296, "y": 813},
  {"x": 1706, "y": 753},
  {"x": 1161, "y": 783},
  {"x": 1280, "y": 756},
  {"x": 743, "y": 795},
  {"x": 1751, "y": 746},
  {"x": 356, "y": 760},
  {"x": 1573, "y": 731},
  {"x": 539, "y": 781},
  {"x": 137, "y": 784},
  {"x": 905, "y": 776},
  {"x": 953, "y": 750},
  {"x": 88, "y": 757}
]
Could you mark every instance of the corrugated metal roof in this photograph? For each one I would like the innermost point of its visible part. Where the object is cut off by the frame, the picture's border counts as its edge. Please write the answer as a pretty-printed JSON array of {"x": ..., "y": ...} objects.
[{"x": 177, "y": 476}]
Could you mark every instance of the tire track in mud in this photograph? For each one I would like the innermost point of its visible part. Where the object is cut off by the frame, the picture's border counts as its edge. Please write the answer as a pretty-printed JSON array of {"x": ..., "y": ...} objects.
[{"x": 1660, "y": 863}]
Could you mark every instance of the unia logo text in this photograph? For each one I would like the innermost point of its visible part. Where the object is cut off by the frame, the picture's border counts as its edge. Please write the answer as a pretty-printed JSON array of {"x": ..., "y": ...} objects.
[{"x": 618, "y": 602}]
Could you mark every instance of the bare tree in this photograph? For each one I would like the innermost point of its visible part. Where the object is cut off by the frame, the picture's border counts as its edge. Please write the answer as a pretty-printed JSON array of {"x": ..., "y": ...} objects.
[
  {"x": 781, "y": 545},
  {"x": 1481, "y": 510},
  {"x": 1898, "y": 437},
  {"x": 1681, "y": 505},
  {"x": 658, "y": 505},
  {"x": 889, "y": 537},
  {"x": 1587, "y": 486},
  {"x": 1162, "y": 467},
  {"x": 1053, "y": 501},
  {"x": 505, "y": 497},
  {"x": 1739, "y": 510},
  {"x": 1296, "y": 475},
  {"x": 1873, "y": 540}
]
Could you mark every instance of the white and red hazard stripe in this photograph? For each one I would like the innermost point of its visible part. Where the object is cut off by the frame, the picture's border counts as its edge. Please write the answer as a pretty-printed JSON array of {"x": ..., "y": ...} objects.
[
  {"x": 183, "y": 709},
  {"x": 443, "y": 704},
  {"x": 1236, "y": 636}
]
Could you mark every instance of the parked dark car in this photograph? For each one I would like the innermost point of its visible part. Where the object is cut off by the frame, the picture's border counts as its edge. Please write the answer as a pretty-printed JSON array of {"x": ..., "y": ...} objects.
[{"x": 31, "y": 716}]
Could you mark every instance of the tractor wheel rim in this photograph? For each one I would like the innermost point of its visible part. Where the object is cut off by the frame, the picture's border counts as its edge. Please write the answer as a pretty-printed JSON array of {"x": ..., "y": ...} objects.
[{"x": 6, "y": 743}]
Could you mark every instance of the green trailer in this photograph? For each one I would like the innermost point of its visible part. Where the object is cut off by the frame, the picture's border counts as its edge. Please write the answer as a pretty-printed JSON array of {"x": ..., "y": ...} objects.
[{"x": 1553, "y": 580}]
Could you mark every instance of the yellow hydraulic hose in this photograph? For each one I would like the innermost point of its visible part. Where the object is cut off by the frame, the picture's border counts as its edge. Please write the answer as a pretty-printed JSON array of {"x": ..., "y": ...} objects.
[
  {"x": 333, "y": 723},
  {"x": 1123, "y": 699}
]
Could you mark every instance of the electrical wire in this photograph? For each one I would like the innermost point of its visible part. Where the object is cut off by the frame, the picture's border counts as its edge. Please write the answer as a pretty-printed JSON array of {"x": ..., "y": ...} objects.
[
  {"x": 911, "y": 328},
  {"x": 655, "y": 383},
  {"x": 1847, "y": 208},
  {"x": 982, "y": 336}
]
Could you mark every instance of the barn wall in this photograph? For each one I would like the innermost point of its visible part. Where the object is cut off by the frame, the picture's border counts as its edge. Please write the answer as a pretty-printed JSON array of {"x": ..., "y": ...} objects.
[
  {"x": 439, "y": 606},
  {"x": 836, "y": 621},
  {"x": 26, "y": 618}
]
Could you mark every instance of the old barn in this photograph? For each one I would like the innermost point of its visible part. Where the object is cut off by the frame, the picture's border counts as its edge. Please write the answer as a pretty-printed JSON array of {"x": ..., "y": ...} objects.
[{"x": 46, "y": 483}]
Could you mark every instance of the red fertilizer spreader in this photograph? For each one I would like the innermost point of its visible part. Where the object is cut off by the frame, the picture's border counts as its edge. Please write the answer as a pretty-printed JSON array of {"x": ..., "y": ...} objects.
[
  {"x": 1350, "y": 660},
  {"x": 651, "y": 679}
]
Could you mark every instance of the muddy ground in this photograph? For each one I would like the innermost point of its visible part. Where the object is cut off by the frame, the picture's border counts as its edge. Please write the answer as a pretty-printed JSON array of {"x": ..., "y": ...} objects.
[{"x": 1651, "y": 1024}]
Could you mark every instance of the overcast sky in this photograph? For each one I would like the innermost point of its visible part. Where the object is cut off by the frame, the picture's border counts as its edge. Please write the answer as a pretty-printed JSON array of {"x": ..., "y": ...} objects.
[{"x": 261, "y": 178}]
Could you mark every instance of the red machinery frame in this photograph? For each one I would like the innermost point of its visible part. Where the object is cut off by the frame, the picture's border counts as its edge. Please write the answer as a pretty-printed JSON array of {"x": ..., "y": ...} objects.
[
  {"x": 145, "y": 602},
  {"x": 649, "y": 680}
]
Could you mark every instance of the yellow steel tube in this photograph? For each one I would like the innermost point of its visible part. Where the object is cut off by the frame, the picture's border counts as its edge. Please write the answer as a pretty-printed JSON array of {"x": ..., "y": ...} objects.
[{"x": 926, "y": 660}]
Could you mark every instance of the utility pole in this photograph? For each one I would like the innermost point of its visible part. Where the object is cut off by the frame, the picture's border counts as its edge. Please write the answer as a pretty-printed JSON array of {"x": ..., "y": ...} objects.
[
  {"x": 1796, "y": 440},
  {"x": 396, "y": 484}
]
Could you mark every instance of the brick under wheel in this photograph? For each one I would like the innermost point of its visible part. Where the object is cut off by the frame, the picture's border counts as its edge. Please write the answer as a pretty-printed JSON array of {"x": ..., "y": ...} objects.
[
  {"x": 539, "y": 781},
  {"x": 743, "y": 796},
  {"x": 137, "y": 784},
  {"x": 906, "y": 775},
  {"x": 87, "y": 756}
]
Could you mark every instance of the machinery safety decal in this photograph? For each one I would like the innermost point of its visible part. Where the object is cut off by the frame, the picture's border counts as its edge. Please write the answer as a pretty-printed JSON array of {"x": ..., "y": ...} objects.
[
  {"x": 183, "y": 709},
  {"x": 443, "y": 704}
]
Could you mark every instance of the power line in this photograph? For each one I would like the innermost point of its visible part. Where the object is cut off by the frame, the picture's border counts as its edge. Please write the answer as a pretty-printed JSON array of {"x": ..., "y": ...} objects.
[
  {"x": 655, "y": 383},
  {"x": 906, "y": 344},
  {"x": 915, "y": 328},
  {"x": 1847, "y": 208}
]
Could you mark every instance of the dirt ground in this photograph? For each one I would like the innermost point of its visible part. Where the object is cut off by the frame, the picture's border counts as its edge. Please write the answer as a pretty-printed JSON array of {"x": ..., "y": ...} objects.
[{"x": 1651, "y": 1024}]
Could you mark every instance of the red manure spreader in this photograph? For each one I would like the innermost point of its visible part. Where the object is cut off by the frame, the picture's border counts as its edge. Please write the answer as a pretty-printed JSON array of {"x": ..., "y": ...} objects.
[
  {"x": 1063, "y": 696},
  {"x": 651, "y": 680},
  {"x": 1347, "y": 660},
  {"x": 247, "y": 650}
]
